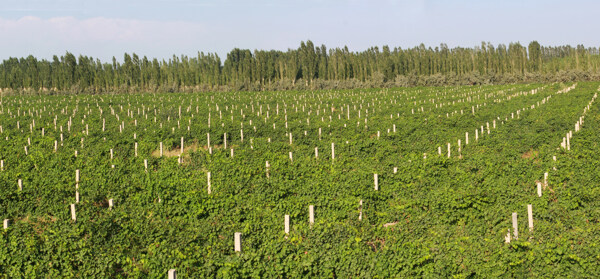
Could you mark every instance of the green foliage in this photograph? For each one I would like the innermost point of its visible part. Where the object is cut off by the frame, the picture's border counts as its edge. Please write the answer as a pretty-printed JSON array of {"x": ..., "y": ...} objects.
[
  {"x": 309, "y": 67},
  {"x": 437, "y": 217}
]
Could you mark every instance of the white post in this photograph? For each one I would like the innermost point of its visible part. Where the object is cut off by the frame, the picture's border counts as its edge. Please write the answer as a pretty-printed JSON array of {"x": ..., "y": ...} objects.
[
  {"x": 136, "y": 153},
  {"x": 110, "y": 204},
  {"x": 286, "y": 224},
  {"x": 466, "y": 138},
  {"x": 332, "y": 151},
  {"x": 225, "y": 140},
  {"x": 515, "y": 225},
  {"x": 316, "y": 152},
  {"x": 360, "y": 211},
  {"x": 291, "y": 158},
  {"x": 208, "y": 182},
  {"x": 238, "y": 242},
  {"x": 73, "y": 215},
  {"x": 290, "y": 138},
  {"x": 545, "y": 180},
  {"x": 530, "y": 216},
  {"x": 77, "y": 176},
  {"x": 207, "y": 139},
  {"x": 376, "y": 180},
  {"x": 311, "y": 214},
  {"x": 6, "y": 224},
  {"x": 172, "y": 274},
  {"x": 146, "y": 164},
  {"x": 181, "y": 145},
  {"x": 448, "y": 150},
  {"x": 539, "y": 189},
  {"x": 267, "y": 168},
  {"x": 20, "y": 184}
]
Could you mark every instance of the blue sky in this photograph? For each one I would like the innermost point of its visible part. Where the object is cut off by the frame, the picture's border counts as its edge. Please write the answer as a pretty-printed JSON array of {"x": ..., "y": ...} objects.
[{"x": 161, "y": 28}]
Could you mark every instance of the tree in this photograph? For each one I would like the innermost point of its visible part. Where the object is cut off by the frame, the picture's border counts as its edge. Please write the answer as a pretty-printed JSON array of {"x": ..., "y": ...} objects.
[{"x": 535, "y": 56}]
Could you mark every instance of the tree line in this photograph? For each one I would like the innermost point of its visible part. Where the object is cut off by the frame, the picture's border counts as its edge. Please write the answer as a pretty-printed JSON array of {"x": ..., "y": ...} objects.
[{"x": 307, "y": 67}]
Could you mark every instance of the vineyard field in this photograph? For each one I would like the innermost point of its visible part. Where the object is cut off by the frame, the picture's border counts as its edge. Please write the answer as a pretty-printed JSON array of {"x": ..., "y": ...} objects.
[{"x": 374, "y": 183}]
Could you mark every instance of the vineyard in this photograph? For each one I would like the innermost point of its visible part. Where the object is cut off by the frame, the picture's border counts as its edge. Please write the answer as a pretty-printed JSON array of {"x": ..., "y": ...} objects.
[{"x": 437, "y": 182}]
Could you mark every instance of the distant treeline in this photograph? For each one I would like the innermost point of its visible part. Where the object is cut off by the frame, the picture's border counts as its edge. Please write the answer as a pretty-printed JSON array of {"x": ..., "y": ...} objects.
[{"x": 308, "y": 67}]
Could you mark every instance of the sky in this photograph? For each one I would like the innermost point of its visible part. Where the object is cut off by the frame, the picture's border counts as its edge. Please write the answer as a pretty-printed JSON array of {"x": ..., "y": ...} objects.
[{"x": 161, "y": 28}]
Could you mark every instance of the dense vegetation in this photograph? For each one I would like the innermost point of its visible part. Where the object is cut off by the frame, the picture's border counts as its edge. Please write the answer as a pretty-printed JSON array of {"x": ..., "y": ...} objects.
[
  {"x": 308, "y": 67},
  {"x": 433, "y": 215}
]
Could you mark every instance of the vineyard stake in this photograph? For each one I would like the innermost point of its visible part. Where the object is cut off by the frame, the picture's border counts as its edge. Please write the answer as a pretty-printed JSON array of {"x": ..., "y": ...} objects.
[
  {"x": 73, "y": 215},
  {"x": 286, "y": 225},
  {"x": 208, "y": 139},
  {"x": 237, "y": 242},
  {"x": 208, "y": 182},
  {"x": 332, "y": 151},
  {"x": 311, "y": 215},
  {"x": 360, "y": 210},
  {"x": 530, "y": 216},
  {"x": 267, "y": 168},
  {"x": 376, "y": 180},
  {"x": 515, "y": 225}
]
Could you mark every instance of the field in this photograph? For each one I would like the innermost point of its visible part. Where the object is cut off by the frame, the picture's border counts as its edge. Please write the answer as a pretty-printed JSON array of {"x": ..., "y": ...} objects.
[{"x": 408, "y": 182}]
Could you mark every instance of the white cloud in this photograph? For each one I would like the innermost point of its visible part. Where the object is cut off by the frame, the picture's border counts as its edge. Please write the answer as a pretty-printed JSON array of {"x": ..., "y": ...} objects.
[
  {"x": 99, "y": 29},
  {"x": 94, "y": 36}
]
